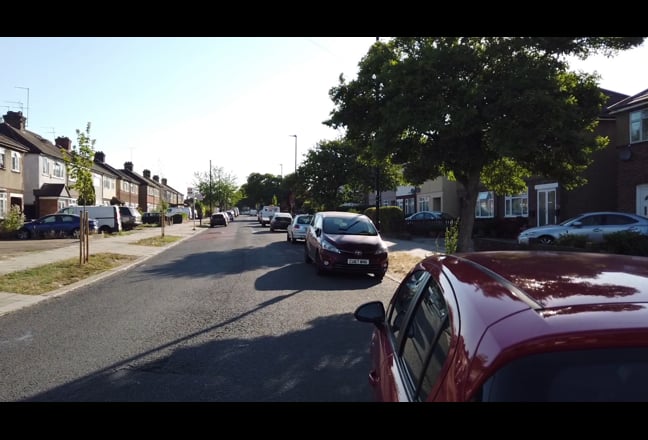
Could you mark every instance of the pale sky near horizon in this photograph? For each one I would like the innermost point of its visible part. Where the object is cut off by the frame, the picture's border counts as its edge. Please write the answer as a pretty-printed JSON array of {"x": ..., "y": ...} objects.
[{"x": 173, "y": 104}]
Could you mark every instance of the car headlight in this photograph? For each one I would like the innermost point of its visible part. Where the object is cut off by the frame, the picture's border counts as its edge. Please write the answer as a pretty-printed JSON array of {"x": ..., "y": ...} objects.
[
  {"x": 329, "y": 247},
  {"x": 382, "y": 250}
]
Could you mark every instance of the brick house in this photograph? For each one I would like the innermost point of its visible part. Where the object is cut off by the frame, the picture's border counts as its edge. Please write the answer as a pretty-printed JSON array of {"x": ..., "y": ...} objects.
[
  {"x": 44, "y": 168},
  {"x": 127, "y": 188},
  {"x": 12, "y": 192},
  {"x": 631, "y": 142}
]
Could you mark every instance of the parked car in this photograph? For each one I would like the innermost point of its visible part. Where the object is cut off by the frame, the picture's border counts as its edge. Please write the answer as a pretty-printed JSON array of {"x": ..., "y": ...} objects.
[
  {"x": 108, "y": 216},
  {"x": 280, "y": 220},
  {"x": 218, "y": 218},
  {"x": 513, "y": 326},
  {"x": 593, "y": 225},
  {"x": 428, "y": 222},
  {"x": 153, "y": 218},
  {"x": 130, "y": 218},
  {"x": 298, "y": 227},
  {"x": 345, "y": 242},
  {"x": 55, "y": 226}
]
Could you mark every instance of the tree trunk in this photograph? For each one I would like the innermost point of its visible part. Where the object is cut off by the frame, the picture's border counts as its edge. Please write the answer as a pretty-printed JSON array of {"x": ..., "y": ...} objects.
[{"x": 467, "y": 213}]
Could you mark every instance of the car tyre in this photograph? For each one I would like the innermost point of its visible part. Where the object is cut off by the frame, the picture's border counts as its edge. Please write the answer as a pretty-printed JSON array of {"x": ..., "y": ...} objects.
[
  {"x": 23, "y": 234},
  {"x": 307, "y": 258},
  {"x": 76, "y": 233},
  {"x": 546, "y": 239},
  {"x": 379, "y": 276}
]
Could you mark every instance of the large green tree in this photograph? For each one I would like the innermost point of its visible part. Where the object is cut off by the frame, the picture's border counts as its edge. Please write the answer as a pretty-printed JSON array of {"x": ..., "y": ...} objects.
[
  {"x": 218, "y": 188},
  {"x": 260, "y": 189},
  {"x": 335, "y": 172},
  {"x": 493, "y": 110}
]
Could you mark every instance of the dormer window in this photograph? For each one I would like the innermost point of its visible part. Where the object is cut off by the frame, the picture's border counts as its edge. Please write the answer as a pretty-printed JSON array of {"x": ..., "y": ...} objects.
[{"x": 639, "y": 126}]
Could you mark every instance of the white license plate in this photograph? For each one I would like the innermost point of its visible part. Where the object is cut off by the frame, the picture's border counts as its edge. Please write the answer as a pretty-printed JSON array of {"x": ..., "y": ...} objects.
[{"x": 357, "y": 261}]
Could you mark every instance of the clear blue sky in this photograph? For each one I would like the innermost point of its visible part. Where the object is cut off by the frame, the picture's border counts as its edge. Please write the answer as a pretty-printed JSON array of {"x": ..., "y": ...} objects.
[{"x": 173, "y": 104}]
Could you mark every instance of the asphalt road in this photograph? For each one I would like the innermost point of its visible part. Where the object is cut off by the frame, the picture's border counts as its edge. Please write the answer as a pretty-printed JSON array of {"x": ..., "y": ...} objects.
[{"x": 233, "y": 314}]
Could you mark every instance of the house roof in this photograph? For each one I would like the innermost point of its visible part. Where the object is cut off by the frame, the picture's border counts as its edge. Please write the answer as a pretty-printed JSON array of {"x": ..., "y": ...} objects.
[
  {"x": 613, "y": 98},
  {"x": 6, "y": 141},
  {"x": 634, "y": 101},
  {"x": 52, "y": 190},
  {"x": 141, "y": 179},
  {"x": 35, "y": 143},
  {"x": 119, "y": 173}
]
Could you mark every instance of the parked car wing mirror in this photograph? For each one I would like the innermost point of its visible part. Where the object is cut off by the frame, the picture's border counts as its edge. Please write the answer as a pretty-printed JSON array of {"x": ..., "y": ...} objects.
[
  {"x": 373, "y": 312},
  {"x": 318, "y": 232}
]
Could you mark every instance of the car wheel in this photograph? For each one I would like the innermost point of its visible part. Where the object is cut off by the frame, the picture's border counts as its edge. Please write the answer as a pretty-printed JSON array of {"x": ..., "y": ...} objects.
[
  {"x": 307, "y": 258},
  {"x": 545, "y": 239},
  {"x": 76, "y": 233},
  {"x": 288, "y": 238},
  {"x": 271, "y": 229},
  {"x": 23, "y": 234},
  {"x": 379, "y": 275}
]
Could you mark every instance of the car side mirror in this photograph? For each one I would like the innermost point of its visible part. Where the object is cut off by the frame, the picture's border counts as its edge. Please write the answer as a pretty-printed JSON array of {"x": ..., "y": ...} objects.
[
  {"x": 318, "y": 232},
  {"x": 577, "y": 224},
  {"x": 373, "y": 312}
]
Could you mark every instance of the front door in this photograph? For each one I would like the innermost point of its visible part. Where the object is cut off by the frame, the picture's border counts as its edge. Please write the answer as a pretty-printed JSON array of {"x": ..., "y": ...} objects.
[
  {"x": 642, "y": 200},
  {"x": 546, "y": 206}
]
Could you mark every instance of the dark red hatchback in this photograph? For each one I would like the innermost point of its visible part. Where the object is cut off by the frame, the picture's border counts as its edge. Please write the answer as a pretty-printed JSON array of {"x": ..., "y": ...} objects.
[
  {"x": 514, "y": 326},
  {"x": 345, "y": 242}
]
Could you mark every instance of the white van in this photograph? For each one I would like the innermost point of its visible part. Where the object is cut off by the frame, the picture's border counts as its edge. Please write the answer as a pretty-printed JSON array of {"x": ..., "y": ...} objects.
[
  {"x": 265, "y": 215},
  {"x": 108, "y": 217}
]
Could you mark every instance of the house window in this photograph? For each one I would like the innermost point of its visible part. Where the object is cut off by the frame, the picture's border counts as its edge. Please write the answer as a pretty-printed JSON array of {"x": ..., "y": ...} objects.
[
  {"x": 46, "y": 170},
  {"x": 15, "y": 161},
  {"x": 517, "y": 206},
  {"x": 639, "y": 126},
  {"x": 58, "y": 170},
  {"x": 485, "y": 206},
  {"x": 2, "y": 158},
  {"x": 3, "y": 204},
  {"x": 424, "y": 203}
]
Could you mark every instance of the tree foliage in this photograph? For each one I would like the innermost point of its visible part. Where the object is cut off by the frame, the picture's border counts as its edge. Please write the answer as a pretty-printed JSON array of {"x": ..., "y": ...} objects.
[
  {"x": 335, "y": 172},
  {"x": 218, "y": 188},
  {"x": 478, "y": 110},
  {"x": 79, "y": 163}
]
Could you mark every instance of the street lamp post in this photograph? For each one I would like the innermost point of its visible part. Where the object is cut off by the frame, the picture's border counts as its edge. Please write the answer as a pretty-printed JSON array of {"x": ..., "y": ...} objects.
[
  {"x": 295, "y": 136},
  {"x": 281, "y": 165}
]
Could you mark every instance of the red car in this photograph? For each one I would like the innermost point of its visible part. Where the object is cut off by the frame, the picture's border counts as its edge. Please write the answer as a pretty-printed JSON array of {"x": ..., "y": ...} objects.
[
  {"x": 345, "y": 242},
  {"x": 514, "y": 326}
]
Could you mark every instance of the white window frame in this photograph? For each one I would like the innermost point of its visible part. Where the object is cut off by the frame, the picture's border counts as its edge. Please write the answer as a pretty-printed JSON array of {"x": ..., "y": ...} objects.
[
  {"x": 423, "y": 203},
  {"x": 58, "y": 170},
  {"x": 45, "y": 170},
  {"x": 2, "y": 158},
  {"x": 522, "y": 200},
  {"x": 3, "y": 204},
  {"x": 639, "y": 126},
  {"x": 15, "y": 161},
  {"x": 487, "y": 197}
]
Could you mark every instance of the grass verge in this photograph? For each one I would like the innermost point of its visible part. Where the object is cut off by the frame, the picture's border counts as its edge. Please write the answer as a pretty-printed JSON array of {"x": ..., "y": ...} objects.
[{"x": 49, "y": 277}]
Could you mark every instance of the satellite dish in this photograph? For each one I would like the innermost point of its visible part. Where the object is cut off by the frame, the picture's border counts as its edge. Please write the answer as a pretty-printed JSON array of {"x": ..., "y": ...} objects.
[{"x": 625, "y": 154}]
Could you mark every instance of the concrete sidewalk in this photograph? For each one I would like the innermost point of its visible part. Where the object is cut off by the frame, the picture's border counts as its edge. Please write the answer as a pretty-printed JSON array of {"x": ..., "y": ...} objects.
[
  {"x": 124, "y": 244},
  {"x": 118, "y": 244}
]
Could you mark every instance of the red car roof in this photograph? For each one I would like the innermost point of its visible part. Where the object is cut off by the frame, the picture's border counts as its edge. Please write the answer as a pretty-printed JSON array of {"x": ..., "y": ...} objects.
[{"x": 513, "y": 303}]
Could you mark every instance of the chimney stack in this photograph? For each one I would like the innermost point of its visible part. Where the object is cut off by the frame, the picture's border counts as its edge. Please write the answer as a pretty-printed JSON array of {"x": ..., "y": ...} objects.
[
  {"x": 146, "y": 173},
  {"x": 156, "y": 178},
  {"x": 99, "y": 157},
  {"x": 15, "y": 119},
  {"x": 63, "y": 142},
  {"x": 128, "y": 166},
  {"x": 164, "y": 181}
]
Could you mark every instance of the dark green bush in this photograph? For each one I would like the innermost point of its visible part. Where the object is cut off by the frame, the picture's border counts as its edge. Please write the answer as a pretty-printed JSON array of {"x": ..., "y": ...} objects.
[
  {"x": 627, "y": 243},
  {"x": 392, "y": 219},
  {"x": 572, "y": 240}
]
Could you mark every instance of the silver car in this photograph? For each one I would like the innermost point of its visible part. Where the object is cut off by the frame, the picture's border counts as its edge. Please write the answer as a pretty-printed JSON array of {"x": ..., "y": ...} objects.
[
  {"x": 298, "y": 227},
  {"x": 593, "y": 225}
]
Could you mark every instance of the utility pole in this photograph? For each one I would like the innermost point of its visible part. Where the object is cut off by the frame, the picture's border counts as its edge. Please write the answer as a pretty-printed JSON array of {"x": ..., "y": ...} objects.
[
  {"x": 378, "y": 165},
  {"x": 211, "y": 194}
]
